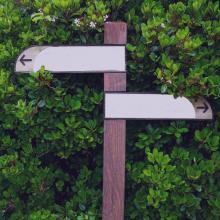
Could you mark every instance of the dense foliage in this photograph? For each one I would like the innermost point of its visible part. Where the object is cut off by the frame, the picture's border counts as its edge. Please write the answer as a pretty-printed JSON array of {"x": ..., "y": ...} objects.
[{"x": 51, "y": 126}]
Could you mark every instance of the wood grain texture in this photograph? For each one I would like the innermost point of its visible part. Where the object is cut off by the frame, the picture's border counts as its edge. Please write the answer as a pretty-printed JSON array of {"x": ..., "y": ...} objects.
[
  {"x": 114, "y": 137},
  {"x": 114, "y": 82},
  {"x": 114, "y": 169},
  {"x": 115, "y": 33}
]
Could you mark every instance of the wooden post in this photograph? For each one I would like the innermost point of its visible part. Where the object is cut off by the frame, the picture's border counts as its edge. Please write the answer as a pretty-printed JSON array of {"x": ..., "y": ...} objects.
[{"x": 114, "y": 136}]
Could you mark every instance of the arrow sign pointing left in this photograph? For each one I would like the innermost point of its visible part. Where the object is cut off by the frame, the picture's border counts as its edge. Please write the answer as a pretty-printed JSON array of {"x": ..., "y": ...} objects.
[
  {"x": 73, "y": 59},
  {"x": 23, "y": 60}
]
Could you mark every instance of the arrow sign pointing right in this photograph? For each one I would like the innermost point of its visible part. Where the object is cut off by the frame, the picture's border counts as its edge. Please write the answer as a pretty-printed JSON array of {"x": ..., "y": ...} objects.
[
  {"x": 205, "y": 107},
  {"x": 154, "y": 106}
]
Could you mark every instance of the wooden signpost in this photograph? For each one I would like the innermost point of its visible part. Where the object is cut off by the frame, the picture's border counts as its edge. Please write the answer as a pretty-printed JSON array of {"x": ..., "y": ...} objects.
[
  {"x": 119, "y": 106},
  {"x": 114, "y": 137}
]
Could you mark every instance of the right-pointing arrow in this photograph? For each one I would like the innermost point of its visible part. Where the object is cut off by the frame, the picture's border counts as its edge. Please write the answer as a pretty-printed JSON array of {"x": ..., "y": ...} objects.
[{"x": 205, "y": 107}]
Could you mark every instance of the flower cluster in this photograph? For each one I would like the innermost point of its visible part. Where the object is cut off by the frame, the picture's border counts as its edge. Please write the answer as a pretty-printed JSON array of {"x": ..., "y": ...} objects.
[{"x": 92, "y": 24}]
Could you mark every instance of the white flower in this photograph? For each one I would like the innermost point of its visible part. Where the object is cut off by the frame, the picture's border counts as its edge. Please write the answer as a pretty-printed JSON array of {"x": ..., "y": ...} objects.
[
  {"x": 50, "y": 18},
  {"x": 92, "y": 24},
  {"x": 162, "y": 25},
  {"x": 53, "y": 19},
  {"x": 77, "y": 22},
  {"x": 106, "y": 17},
  {"x": 40, "y": 10}
]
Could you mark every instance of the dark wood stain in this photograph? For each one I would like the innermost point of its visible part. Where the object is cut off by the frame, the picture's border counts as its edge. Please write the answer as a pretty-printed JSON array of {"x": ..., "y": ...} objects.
[{"x": 114, "y": 136}]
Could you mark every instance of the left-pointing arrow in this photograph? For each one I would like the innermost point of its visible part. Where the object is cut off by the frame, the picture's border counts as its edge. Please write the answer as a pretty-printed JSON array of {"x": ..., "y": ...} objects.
[{"x": 23, "y": 60}]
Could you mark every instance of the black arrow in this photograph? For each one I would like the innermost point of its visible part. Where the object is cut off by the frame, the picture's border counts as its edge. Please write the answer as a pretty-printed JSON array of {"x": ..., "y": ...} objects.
[
  {"x": 22, "y": 60},
  {"x": 205, "y": 107}
]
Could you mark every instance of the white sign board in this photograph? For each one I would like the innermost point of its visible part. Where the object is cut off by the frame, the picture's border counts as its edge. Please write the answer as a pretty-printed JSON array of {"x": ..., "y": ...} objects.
[
  {"x": 73, "y": 59},
  {"x": 154, "y": 106}
]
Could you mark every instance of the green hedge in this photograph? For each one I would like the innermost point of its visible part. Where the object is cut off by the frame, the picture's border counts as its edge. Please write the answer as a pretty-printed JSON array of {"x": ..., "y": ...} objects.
[{"x": 51, "y": 126}]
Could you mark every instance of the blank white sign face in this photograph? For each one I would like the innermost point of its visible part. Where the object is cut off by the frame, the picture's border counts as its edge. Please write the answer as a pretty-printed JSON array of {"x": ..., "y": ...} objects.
[
  {"x": 73, "y": 59},
  {"x": 154, "y": 106}
]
